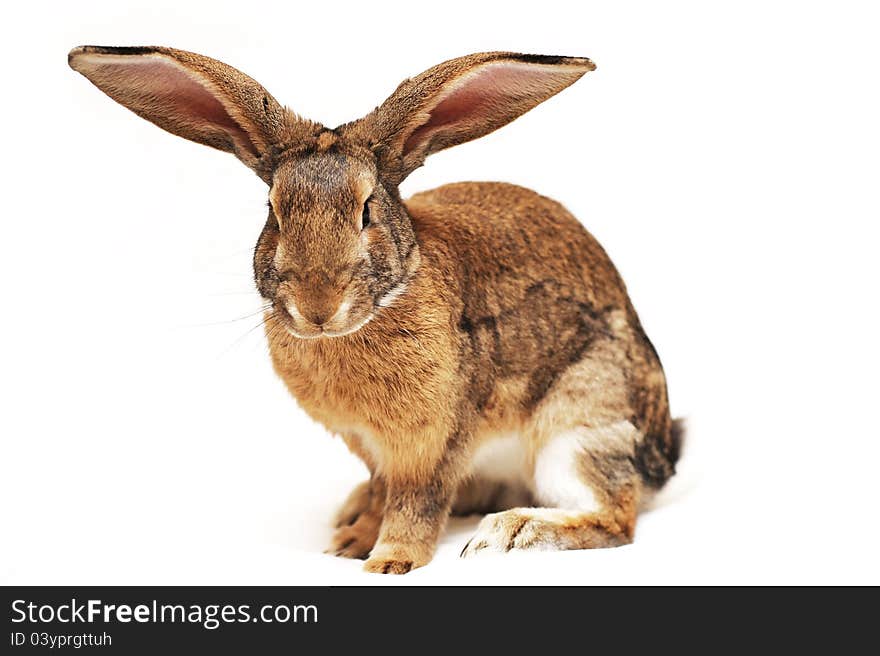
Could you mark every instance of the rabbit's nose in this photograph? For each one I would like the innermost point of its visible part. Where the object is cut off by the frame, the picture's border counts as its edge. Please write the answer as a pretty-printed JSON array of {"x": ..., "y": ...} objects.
[
  {"x": 315, "y": 317},
  {"x": 319, "y": 317},
  {"x": 317, "y": 309}
]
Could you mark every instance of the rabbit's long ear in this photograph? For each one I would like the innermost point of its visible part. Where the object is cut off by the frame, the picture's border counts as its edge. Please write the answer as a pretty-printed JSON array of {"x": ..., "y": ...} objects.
[
  {"x": 460, "y": 100},
  {"x": 189, "y": 95}
]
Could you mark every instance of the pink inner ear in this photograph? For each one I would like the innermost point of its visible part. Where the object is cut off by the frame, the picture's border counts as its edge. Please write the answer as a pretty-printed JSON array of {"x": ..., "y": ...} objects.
[
  {"x": 156, "y": 87},
  {"x": 486, "y": 99}
]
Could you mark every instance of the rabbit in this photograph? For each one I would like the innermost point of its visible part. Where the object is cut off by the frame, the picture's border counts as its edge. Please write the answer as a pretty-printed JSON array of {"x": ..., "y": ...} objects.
[{"x": 473, "y": 345}]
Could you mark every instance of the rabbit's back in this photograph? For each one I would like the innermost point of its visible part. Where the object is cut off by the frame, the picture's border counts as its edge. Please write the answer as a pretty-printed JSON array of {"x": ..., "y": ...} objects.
[{"x": 508, "y": 241}]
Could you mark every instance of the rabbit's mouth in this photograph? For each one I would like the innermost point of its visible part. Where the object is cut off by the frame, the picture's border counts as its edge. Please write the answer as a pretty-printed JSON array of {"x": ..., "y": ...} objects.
[
  {"x": 348, "y": 331},
  {"x": 344, "y": 321}
]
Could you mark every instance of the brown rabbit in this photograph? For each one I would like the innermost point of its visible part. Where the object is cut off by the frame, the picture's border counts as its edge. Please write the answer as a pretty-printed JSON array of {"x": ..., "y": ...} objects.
[{"x": 474, "y": 345}]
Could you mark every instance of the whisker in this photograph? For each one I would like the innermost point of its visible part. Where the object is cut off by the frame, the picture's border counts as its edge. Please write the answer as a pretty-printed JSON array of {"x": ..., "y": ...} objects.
[
  {"x": 262, "y": 310},
  {"x": 237, "y": 274},
  {"x": 229, "y": 255},
  {"x": 242, "y": 337},
  {"x": 275, "y": 331},
  {"x": 252, "y": 292}
]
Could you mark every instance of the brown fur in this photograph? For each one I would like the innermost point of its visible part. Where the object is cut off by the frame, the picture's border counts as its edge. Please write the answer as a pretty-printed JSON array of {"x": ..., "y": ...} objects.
[{"x": 422, "y": 330}]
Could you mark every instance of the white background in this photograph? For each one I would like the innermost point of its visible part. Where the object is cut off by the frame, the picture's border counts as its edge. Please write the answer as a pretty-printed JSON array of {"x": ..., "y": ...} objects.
[{"x": 726, "y": 156}]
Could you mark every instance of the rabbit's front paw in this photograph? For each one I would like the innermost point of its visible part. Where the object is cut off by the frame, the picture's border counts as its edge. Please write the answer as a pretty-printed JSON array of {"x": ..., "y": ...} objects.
[
  {"x": 395, "y": 559},
  {"x": 388, "y": 566},
  {"x": 357, "y": 540}
]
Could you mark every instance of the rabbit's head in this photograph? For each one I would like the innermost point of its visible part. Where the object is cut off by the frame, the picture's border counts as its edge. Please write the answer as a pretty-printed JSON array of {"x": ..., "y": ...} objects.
[{"x": 338, "y": 244}]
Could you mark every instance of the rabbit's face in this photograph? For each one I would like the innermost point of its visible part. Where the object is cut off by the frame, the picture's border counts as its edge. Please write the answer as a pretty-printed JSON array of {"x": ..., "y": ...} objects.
[{"x": 337, "y": 245}]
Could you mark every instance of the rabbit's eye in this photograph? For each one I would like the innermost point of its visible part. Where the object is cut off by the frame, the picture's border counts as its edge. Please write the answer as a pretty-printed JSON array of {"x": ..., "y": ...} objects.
[
  {"x": 273, "y": 216},
  {"x": 365, "y": 216}
]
